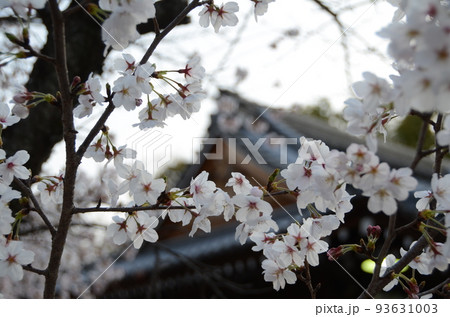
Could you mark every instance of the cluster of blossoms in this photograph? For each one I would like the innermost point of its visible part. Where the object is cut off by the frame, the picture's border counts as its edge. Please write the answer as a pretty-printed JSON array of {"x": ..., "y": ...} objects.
[
  {"x": 134, "y": 81},
  {"x": 420, "y": 47},
  {"x": 225, "y": 15},
  {"x": 318, "y": 181},
  {"x": 12, "y": 254}
]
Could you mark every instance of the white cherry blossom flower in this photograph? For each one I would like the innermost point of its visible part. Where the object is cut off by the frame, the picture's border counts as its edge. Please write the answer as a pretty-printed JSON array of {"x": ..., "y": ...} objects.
[
  {"x": 202, "y": 189},
  {"x": 262, "y": 240},
  {"x": 312, "y": 247},
  {"x": 441, "y": 190},
  {"x": 219, "y": 16},
  {"x": 401, "y": 183},
  {"x": 381, "y": 199},
  {"x": 12, "y": 257},
  {"x": 297, "y": 176},
  {"x": 125, "y": 65},
  {"x": 424, "y": 201},
  {"x": 143, "y": 73},
  {"x": 51, "y": 190},
  {"x": 277, "y": 273},
  {"x": 250, "y": 207},
  {"x": 97, "y": 151},
  {"x": 289, "y": 252},
  {"x": 130, "y": 174},
  {"x": 126, "y": 92},
  {"x": 147, "y": 189},
  {"x": 13, "y": 167},
  {"x": 121, "y": 229},
  {"x": 373, "y": 90},
  {"x": 421, "y": 263},
  {"x": 200, "y": 222},
  {"x": 240, "y": 184},
  {"x": 6, "y": 119},
  {"x": 193, "y": 71},
  {"x": 144, "y": 229},
  {"x": 225, "y": 16}
]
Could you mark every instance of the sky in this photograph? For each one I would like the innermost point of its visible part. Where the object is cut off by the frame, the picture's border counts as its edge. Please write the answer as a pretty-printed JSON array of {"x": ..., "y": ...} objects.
[{"x": 292, "y": 55}]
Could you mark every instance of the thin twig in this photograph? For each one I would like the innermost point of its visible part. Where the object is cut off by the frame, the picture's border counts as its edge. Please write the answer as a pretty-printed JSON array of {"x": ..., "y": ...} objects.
[
  {"x": 308, "y": 281},
  {"x": 383, "y": 252},
  {"x": 27, "y": 191},
  {"x": 95, "y": 130},
  {"x": 128, "y": 209},
  {"x": 419, "y": 149},
  {"x": 434, "y": 289},
  {"x": 29, "y": 268}
]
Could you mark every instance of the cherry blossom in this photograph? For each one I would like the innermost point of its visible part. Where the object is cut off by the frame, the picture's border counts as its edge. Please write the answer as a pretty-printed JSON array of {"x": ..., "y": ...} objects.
[
  {"x": 240, "y": 184},
  {"x": 90, "y": 96},
  {"x": 12, "y": 167},
  {"x": 373, "y": 90},
  {"x": 250, "y": 207},
  {"x": 219, "y": 16},
  {"x": 143, "y": 73},
  {"x": 51, "y": 189},
  {"x": 121, "y": 229},
  {"x": 441, "y": 190},
  {"x": 277, "y": 273},
  {"x": 193, "y": 70},
  {"x": 289, "y": 252},
  {"x": 421, "y": 263},
  {"x": 126, "y": 92},
  {"x": 202, "y": 189},
  {"x": 6, "y": 119},
  {"x": 12, "y": 257},
  {"x": 312, "y": 248},
  {"x": 147, "y": 189},
  {"x": 201, "y": 222},
  {"x": 297, "y": 176},
  {"x": 144, "y": 229}
]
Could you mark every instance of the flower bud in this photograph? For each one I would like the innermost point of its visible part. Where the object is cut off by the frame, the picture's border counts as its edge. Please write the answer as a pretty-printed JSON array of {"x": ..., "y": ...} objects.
[
  {"x": 373, "y": 232},
  {"x": 334, "y": 253},
  {"x": 23, "y": 97},
  {"x": 255, "y": 191}
]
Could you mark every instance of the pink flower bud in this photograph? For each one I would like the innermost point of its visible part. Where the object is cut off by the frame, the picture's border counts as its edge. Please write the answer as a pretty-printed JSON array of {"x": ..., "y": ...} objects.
[
  {"x": 23, "y": 97},
  {"x": 373, "y": 232}
]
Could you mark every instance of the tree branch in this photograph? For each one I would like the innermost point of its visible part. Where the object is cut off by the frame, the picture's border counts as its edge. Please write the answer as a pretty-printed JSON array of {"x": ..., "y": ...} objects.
[
  {"x": 376, "y": 286},
  {"x": 94, "y": 131},
  {"x": 419, "y": 148},
  {"x": 434, "y": 289},
  {"x": 128, "y": 209},
  {"x": 29, "y": 268},
  {"x": 69, "y": 133},
  {"x": 27, "y": 191}
]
